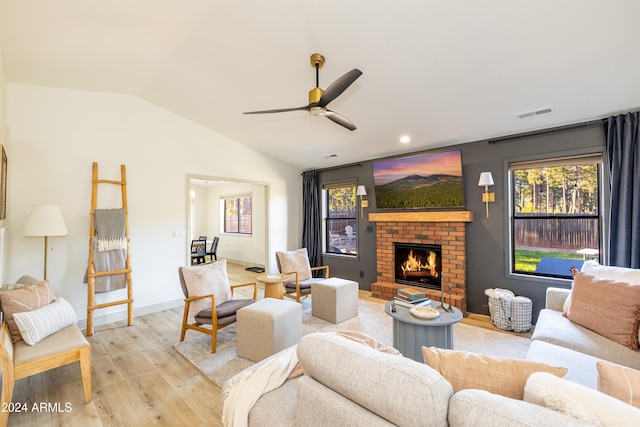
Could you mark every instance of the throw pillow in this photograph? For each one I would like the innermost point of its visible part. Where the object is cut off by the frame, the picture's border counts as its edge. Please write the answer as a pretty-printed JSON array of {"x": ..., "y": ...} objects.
[
  {"x": 578, "y": 401},
  {"x": 499, "y": 375},
  {"x": 38, "y": 324},
  {"x": 295, "y": 261},
  {"x": 23, "y": 299},
  {"x": 207, "y": 279},
  {"x": 620, "y": 382},
  {"x": 607, "y": 307}
]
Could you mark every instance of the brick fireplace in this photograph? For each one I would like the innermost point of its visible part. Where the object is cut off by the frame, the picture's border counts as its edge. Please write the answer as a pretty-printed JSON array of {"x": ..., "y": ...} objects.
[{"x": 447, "y": 229}]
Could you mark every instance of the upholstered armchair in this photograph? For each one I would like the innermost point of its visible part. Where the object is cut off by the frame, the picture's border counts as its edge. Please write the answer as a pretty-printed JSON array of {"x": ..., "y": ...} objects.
[
  {"x": 209, "y": 298},
  {"x": 296, "y": 265}
]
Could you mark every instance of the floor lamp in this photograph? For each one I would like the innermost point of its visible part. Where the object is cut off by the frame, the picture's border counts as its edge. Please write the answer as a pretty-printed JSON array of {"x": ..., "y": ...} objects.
[{"x": 45, "y": 221}]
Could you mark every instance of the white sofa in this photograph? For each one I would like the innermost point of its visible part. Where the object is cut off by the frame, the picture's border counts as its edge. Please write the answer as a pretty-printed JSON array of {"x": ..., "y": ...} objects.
[
  {"x": 557, "y": 340},
  {"x": 347, "y": 383}
]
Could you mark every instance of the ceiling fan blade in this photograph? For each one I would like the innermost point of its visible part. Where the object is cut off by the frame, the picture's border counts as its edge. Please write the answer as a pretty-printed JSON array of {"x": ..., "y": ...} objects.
[
  {"x": 336, "y": 88},
  {"x": 341, "y": 120},
  {"x": 281, "y": 110}
]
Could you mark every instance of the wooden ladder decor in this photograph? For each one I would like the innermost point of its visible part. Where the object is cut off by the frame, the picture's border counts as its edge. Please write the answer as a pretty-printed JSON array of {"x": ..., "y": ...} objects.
[{"x": 91, "y": 270}]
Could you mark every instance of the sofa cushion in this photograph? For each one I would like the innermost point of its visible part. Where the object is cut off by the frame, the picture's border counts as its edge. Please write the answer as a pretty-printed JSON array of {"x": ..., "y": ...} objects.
[
  {"x": 620, "y": 382},
  {"x": 620, "y": 274},
  {"x": 375, "y": 380},
  {"x": 500, "y": 375},
  {"x": 607, "y": 307},
  {"x": 23, "y": 299},
  {"x": 207, "y": 279},
  {"x": 578, "y": 401},
  {"x": 479, "y": 408},
  {"x": 581, "y": 366},
  {"x": 36, "y": 325},
  {"x": 554, "y": 328}
]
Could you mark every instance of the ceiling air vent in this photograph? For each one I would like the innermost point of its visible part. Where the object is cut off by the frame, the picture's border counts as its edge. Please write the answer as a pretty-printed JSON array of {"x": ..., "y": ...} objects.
[{"x": 534, "y": 113}]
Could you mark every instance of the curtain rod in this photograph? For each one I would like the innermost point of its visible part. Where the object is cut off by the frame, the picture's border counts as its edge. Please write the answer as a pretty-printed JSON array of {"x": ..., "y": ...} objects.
[
  {"x": 336, "y": 167},
  {"x": 583, "y": 125}
]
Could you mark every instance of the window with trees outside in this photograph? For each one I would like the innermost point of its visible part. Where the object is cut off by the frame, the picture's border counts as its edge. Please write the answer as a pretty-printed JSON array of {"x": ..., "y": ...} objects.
[
  {"x": 340, "y": 212},
  {"x": 556, "y": 216},
  {"x": 237, "y": 213}
]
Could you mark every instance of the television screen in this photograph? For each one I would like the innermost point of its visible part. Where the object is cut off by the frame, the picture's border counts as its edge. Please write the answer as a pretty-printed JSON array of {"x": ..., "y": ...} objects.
[{"x": 424, "y": 181}]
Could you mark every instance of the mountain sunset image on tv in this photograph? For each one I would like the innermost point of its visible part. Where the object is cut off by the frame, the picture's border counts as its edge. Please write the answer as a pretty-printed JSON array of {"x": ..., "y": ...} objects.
[{"x": 432, "y": 180}]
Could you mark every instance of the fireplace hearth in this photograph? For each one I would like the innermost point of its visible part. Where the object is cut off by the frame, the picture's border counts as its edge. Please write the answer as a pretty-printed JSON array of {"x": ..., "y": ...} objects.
[{"x": 418, "y": 265}]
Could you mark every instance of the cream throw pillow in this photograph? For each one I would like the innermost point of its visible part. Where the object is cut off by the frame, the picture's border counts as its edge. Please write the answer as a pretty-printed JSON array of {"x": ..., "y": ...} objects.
[
  {"x": 499, "y": 375},
  {"x": 23, "y": 299},
  {"x": 620, "y": 382},
  {"x": 295, "y": 261},
  {"x": 607, "y": 307},
  {"x": 207, "y": 279},
  {"x": 38, "y": 324},
  {"x": 578, "y": 401}
]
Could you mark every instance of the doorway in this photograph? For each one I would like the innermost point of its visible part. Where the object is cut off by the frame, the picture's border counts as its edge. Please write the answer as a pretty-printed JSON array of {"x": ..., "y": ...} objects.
[{"x": 206, "y": 217}]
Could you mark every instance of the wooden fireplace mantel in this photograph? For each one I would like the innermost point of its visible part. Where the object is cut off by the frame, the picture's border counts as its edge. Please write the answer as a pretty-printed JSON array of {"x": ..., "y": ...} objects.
[{"x": 432, "y": 216}]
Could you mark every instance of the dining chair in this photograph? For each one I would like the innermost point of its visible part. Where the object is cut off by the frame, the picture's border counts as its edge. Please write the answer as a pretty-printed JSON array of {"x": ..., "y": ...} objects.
[
  {"x": 198, "y": 251},
  {"x": 213, "y": 252}
]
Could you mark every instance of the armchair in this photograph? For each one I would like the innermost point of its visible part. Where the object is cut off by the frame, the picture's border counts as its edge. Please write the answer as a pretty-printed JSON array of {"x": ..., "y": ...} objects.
[
  {"x": 209, "y": 298},
  {"x": 296, "y": 265}
]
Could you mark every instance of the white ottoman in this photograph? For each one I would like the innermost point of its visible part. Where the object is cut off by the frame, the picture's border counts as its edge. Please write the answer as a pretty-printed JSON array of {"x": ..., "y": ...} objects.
[
  {"x": 267, "y": 327},
  {"x": 334, "y": 300}
]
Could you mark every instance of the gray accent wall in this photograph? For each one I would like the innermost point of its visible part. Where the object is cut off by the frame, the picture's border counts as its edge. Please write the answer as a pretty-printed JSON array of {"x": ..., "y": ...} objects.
[{"x": 487, "y": 238}]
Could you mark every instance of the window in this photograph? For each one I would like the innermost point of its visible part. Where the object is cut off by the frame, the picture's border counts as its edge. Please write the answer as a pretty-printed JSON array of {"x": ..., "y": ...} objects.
[
  {"x": 556, "y": 216},
  {"x": 339, "y": 201},
  {"x": 237, "y": 213}
]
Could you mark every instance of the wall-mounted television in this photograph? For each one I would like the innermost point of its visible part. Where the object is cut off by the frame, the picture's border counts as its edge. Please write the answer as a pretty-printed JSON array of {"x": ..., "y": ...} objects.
[{"x": 424, "y": 181}]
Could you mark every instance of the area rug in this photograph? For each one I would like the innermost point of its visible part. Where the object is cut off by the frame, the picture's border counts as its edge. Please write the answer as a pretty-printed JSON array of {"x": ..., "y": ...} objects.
[{"x": 371, "y": 319}]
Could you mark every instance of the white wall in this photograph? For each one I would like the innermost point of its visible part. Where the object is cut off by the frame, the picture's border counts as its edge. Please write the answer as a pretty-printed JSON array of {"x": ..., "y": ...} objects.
[
  {"x": 55, "y": 136},
  {"x": 4, "y": 141}
]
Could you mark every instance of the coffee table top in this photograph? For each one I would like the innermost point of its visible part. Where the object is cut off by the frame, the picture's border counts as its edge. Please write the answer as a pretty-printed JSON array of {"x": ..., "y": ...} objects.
[{"x": 402, "y": 314}]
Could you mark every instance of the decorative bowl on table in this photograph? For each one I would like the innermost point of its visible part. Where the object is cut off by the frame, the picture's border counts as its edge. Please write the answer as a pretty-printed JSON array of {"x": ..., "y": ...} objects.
[{"x": 426, "y": 313}]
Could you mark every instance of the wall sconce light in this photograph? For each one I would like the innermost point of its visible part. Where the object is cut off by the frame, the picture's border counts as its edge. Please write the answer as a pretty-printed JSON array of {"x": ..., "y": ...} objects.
[
  {"x": 361, "y": 191},
  {"x": 486, "y": 179}
]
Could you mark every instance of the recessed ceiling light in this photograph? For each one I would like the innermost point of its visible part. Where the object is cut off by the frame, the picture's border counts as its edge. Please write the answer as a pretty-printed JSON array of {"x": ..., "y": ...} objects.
[{"x": 405, "y": 139}]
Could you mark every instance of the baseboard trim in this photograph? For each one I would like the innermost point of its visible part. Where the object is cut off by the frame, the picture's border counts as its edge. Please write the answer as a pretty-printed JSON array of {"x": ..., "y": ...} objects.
[{"x": 137, "y": 312}]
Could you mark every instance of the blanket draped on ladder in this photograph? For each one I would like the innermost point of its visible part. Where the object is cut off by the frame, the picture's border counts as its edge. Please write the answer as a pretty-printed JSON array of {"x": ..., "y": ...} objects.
[{"x": 109, "y": 249}]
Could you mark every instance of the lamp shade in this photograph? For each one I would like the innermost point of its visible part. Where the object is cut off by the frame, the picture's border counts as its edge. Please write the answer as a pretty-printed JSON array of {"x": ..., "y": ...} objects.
[
  {"x": 361, "y": 191},
  {"x": 485, "y": 179},
  {"x": 45, "y": 220}
]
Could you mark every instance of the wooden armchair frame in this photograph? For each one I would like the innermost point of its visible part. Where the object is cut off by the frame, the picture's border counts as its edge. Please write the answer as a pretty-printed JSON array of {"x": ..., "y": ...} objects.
[
  {"x": 12, "y": 370},
  {"x": 215, "y": 326},
  {"x": 297, "y": 295}
]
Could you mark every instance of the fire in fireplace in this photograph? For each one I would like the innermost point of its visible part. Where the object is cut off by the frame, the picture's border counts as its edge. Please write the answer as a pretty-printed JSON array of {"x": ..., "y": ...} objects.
[{"x": 418, "y": 265}]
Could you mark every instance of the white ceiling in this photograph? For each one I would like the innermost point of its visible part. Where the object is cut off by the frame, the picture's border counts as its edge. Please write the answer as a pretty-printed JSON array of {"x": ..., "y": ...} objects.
[{"x": 443, "y": 72}]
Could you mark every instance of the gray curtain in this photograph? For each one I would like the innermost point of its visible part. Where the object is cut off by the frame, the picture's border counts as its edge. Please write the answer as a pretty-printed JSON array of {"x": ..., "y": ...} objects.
[
  {"x": 311, "y": 230},
  {"x": 623, "y": 152}
]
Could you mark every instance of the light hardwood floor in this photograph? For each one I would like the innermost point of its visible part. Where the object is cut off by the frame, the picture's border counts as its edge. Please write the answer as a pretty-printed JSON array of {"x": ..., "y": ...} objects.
[{"x": 138, "y": 378}]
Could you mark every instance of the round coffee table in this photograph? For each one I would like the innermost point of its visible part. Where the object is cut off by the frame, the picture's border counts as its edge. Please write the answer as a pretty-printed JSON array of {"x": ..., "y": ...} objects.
[
  {"x": 410, "y": 333},
  {"x": 273, "y": 285}
]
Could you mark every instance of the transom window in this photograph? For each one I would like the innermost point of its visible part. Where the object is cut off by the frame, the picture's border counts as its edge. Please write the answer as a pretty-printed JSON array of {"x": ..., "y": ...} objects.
[
  {"x": 340, "y": 213},
  {"x": 237, "y": 213},
  {"x": 556, "y": 215}
]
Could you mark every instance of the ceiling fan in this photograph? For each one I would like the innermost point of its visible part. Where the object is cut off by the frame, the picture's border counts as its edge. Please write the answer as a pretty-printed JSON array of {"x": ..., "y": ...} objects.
[{"x": 319, "y": 99}]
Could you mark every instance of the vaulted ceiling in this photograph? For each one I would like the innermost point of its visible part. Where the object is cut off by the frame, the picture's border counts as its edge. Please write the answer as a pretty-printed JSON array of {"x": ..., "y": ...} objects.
[{"x": 442, "y": 72}]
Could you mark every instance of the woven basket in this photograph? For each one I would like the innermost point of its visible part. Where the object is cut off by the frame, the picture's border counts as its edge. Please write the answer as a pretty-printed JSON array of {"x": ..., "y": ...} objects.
[{"x": 500, "y": 307}]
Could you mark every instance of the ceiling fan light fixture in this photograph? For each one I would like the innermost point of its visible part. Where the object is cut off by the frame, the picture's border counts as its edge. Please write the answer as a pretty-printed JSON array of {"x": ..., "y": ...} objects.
[{"x": 317, "y": 111}]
